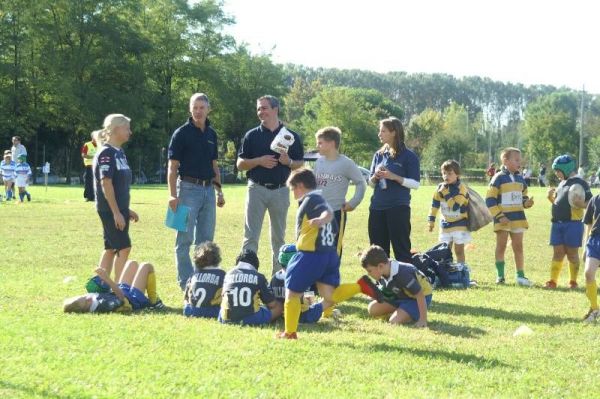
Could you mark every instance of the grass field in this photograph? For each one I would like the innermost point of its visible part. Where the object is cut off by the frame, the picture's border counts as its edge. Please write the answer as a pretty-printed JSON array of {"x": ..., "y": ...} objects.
[{"x": 50, "y": 247}]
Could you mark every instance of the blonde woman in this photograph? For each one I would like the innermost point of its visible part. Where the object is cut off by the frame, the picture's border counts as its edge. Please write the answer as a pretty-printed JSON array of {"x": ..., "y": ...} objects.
[{"x": 112, "y": 178}]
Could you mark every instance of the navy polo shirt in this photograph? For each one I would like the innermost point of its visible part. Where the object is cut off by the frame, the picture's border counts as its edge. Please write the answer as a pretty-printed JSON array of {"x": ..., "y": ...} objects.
[
  {"x": 405, "y": 164},
  {"x": 256, "y": 143},
  {"x": 195, "y": 150}
]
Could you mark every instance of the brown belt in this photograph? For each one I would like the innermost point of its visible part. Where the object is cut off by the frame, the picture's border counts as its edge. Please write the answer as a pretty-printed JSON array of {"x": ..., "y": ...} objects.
[{"x": 199, "y": 182}]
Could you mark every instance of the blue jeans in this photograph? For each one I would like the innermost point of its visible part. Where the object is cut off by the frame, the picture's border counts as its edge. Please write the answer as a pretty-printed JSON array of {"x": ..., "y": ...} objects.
[{"x": 200, "y": 225}]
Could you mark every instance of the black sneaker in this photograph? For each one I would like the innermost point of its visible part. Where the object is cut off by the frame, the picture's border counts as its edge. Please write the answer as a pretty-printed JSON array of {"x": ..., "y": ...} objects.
[
  {"x": 369, "y": 288},
  {"x": 158, "y": 305}
]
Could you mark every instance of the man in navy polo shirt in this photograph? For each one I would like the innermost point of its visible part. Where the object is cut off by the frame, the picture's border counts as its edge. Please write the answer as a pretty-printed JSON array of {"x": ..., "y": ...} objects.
[
  {"x": 192, "y": 177},
  {"x": 267, "y": 173}
]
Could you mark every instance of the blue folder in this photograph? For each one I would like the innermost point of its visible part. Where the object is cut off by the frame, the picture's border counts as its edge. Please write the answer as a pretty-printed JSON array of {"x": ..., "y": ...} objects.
[{"x": 177, "y": 220}]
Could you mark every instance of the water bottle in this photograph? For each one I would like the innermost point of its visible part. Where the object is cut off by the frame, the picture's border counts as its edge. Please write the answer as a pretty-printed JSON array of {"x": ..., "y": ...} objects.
[{"x": 382, "y": 181}]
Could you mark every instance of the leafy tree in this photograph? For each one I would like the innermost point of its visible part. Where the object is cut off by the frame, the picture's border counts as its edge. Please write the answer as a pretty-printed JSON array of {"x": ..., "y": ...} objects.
[
  {"x": 422, "y": 128},
  {"x": 355, "y": 111},
  {"x": 550, "y": 126}
]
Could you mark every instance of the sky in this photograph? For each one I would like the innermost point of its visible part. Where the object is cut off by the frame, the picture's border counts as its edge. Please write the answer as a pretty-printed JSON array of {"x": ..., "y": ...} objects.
[{"x": 528, "y": 41}]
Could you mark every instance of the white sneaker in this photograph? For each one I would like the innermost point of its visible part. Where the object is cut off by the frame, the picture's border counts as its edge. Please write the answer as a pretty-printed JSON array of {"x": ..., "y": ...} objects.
[
  {"x": 592, "y": 316},
  {"x": 336, "y": 315},
  {"x": 524, "y": 281}
]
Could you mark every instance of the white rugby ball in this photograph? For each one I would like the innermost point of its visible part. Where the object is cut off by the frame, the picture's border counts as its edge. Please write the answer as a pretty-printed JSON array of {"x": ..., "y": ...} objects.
[{"x": 576, "y": 192}]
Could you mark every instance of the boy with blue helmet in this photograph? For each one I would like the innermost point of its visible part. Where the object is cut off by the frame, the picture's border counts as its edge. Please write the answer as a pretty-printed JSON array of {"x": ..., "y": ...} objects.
[
  {"x": 567, "y": 211},
  {"x": 23, "y": 174}
]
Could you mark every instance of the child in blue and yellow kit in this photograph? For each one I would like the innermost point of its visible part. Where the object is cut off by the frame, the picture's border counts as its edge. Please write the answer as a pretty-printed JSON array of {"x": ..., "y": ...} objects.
[
  {"x": 567, "y": 228},
  {"x": 202, "y": 297},
  {"x": 452, "y": 197},
  {"x": 507, "y": 200},
  {"x": 317, "y": 260}
]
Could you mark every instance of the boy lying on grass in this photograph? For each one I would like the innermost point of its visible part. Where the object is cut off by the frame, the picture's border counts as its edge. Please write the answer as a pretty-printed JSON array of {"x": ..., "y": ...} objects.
[{"x": 126, "y": 296}]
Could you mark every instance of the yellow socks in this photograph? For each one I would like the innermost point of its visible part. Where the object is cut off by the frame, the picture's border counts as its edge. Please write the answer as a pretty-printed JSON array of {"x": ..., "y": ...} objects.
[
  {"x": 555, "y": 270},
  {"x": 291, "y": 314},
  {"x": 345, "y": 291},
  {"x": 592, "y": 294},
  {"x": 573, "y": 271},
  {"x": 151, "y": 288}
]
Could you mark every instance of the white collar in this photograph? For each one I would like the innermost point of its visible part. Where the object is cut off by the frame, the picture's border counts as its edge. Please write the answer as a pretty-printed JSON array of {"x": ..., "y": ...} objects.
[{"x": 245, "y": 266}]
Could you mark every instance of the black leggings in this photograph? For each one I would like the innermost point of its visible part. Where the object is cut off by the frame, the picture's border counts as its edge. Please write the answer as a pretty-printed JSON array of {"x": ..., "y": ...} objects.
[{"x": 391, "y": 225}]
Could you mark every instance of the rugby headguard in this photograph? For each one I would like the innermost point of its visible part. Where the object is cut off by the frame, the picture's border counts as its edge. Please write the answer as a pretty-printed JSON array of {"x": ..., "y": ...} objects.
[
  {"x": 285, "y": 254},
  {"x": 248, "y": 256},
  {"x": 565, "y": 163}
]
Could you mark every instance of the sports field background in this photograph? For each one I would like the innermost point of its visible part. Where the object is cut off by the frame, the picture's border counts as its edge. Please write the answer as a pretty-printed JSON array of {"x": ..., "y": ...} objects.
[{"x": 50, "y": 247}]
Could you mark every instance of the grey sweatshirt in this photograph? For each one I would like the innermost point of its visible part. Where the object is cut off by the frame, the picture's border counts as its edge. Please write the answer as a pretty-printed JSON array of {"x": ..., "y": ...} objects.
[{"x": 333, "y": 178}]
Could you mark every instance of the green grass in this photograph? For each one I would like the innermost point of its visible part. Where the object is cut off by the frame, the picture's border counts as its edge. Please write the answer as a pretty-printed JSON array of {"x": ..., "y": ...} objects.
[{"x": 51, "y": 245}]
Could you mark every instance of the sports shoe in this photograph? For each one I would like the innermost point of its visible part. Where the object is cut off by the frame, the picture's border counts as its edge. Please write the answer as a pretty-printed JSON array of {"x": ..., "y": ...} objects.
[
  {"x": 591, "y": 316},
  {"x": 28, "y": 197},
  {"x": 284, "y": 335},
  {"x": 368, "y": 288},
  {"x": 550, "y": 284},
  {"x": 158, "y": 305},
  {"x": 524, "y": 282},
  {"x": 336, "y": 315},
  {"x": 500, "y": 280},
  {"x": 573, "y": 284}
]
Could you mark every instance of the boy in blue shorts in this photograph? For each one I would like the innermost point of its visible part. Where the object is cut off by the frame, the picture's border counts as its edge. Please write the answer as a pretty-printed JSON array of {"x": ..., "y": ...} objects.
[
  {"x": 567, "y": 228},
  {"x": 203, "y": 289},
  {"x": 242, "y": 288},
  {"x": 317, "y": 260},
  {"x": 407, "y": 291},
  {"x": 129, "y": 294},
  {"x": 311, "y": 312},
  {"x": 592, "y": 251}
]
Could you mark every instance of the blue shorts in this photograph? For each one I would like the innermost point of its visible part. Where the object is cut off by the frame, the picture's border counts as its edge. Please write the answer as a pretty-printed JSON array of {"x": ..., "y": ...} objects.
[
  {"x": 307, "y": 268},
  {"x": 209, "y": 312},
  {"x": 410, "y": 306},
  {"x": 312, "y": 314},
  {"x": 569, "y": 234},
  {"x": 592, "y": 249},
  {"x": 261, "y": 317},
  {"x": 136, "y": 298}
]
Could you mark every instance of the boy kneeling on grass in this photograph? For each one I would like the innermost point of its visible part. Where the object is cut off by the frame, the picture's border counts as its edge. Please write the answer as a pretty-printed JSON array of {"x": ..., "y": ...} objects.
[
  {"x": 407, "y": 291},
  {"x": 126, "y": 296}
]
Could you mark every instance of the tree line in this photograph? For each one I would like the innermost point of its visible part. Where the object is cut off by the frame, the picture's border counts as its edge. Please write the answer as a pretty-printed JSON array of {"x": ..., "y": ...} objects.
[{"x": 65, "y": 64}]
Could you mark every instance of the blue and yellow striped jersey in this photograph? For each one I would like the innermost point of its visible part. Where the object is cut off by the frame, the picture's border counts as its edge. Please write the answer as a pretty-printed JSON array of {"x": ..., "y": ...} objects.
[
  {"x": 310, "y": 238},
  {"x": 204, "y": 287},
  {"x": 505, "y": 197},
  {"x": 453, "y": 200}
]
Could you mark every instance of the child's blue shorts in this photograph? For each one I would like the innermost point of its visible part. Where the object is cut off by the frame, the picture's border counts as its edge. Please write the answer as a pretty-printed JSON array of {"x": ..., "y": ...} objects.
[
  {"x": 410, "y": 306},
  {"x": 569, "y": 234},
  {"x": 592, "y": 249},
  {"x": 307, "y": 268},
  {"x": 136, "y": 298},
  {"x": 209, "y": 312},
  {"x": 262, "y": 316}
]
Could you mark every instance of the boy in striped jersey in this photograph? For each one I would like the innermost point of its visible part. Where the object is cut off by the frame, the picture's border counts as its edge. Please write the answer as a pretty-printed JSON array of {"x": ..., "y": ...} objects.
[
  {"x": 452, "y": 198},
  {"x": 507, "y": 200},
  {"x": 23, "y": 175},
  {"x": 7, "y": 169}
]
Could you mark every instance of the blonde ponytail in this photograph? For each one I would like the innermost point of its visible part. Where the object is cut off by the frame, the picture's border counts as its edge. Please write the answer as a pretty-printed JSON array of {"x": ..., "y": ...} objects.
[{"x": 110, "y": 122}]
